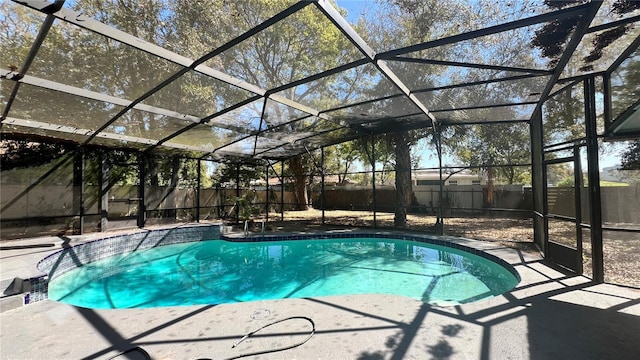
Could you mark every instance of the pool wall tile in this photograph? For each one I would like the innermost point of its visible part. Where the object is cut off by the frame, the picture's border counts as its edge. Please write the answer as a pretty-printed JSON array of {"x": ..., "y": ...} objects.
[
  {"x": 76, "y": 256},
  {"x": 72, "y": 257}
]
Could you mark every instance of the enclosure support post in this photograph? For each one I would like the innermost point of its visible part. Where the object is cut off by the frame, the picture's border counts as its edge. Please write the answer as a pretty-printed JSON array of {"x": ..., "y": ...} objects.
[
  {"x": 141, "y": 177},
  {"x": 322, "y": 182},
  {"x": 537, "y": 182},
  {"x": 282, "y": 190},
  {"x": 593, "y": 172},
  {"x": 266, "y": 212},
  {"x": 103, "y": 207},
  {"x": 373, "y": 178},
  {"x": 199, "y": 184},
  {"x": 606, "y": 82},
  {"x": 171, "y": 196},
  {"x": 545, "y": 207},
  {"x": 473, "y": 207},
  {"x": 438, "y": 134},
  {"x": 237, "y": 193},
  {"x": 78, "y": 190},
  {"x": 578, "y": 183}
]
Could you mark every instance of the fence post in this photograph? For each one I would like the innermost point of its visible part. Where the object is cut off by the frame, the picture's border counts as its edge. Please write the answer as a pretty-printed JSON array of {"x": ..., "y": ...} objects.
[
  {"x": 431, "y": 199},
  {"x": 78, "y": 189},
  {"x": 141, "y": 182},
  {"x": 373, "y": 179},
  {"x": 266, "y": 195},
  {"x": 282, "y": 191},
  {"x": 237, "y": 193},
  {"x": 473, "y": 206},
  {"x": 322, "y": 182}
]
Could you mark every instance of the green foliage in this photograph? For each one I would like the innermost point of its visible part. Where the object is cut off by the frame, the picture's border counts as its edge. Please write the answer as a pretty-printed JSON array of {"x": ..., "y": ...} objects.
[
  {"x": 569, "y": 182},
  {"x": 625, "y": 84},
  {"x": 340, "y": 159},
  {"x": 563, "y": 116},
  {"x": 506, "y": 145},
  {"x": 246, "y": 207},
  {"x": 275, "y": 56},
  {"x": 227, "y": 173},
  {"x": 557, "y": 173},
  {"x": 602, "y": 41},
  {"x": 17, "y": 154},
  {"x": 122, "y": 166},
  {"x": 566, "y": 182},
  {"x": 631, "y": 157},
  {"x": 552, "y": 37},
  {"x": 613, "y": 184},
  {"x": 625, "y": 6},
  {"x": 175, "y": 171}
]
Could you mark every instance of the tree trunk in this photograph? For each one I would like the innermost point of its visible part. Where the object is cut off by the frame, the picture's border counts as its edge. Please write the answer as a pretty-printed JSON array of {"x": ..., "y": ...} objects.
[
  {"x": 403, "y": 179},
  {"x": 154, "y": 179},
  {"x": 489, "y": 187},
  {"x": 300, "y": 184}
]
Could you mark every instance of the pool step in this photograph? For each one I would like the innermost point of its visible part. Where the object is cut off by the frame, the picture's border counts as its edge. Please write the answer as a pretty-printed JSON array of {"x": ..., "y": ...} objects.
[
  {"x": 12, "y": 302},
  {"x": 13, "y": 294},
  {"x": 14, "y": 286}
]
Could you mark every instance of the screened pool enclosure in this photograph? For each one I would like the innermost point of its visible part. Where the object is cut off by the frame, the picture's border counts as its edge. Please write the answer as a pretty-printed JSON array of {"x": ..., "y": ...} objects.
[{"x": 513, "y": 121}]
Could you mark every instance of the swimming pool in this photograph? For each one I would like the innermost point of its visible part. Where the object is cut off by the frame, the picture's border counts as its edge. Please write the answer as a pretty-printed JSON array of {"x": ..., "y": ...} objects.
[{"x": 220, "y": 271}]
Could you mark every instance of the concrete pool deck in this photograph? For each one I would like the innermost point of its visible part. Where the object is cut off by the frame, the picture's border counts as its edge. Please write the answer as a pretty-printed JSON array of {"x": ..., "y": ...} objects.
[{"x": 549, "y": 315}]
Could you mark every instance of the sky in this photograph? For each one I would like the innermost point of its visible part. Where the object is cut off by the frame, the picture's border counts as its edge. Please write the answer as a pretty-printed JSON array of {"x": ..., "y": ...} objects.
[{"x": 354, "y": 7}]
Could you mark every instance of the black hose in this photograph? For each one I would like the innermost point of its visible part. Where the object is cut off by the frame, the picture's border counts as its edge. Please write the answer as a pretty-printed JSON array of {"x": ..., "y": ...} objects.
[
  {"x": 313, "y": 330},
  {"x": 133, "y": 353}
]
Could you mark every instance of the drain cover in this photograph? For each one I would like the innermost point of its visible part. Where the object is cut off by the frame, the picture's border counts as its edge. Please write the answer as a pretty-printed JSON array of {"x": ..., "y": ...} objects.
[{"x": 260, "y": 314}]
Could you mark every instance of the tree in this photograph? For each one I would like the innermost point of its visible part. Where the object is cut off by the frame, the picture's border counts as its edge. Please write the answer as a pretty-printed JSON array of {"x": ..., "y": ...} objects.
[
  {"x": 384, "y": 156},
  {"x": 551, "y": 38},
  {"x": 228, "y": 173},
  {"x": 563, "y": 113},
  {"x": 176, "y": 171},
  {"x": 403, "y": 178},
  {"x": 480, "y": 146},
  {"x": 415, "y": 21},
  {"x": 341, "y": 158},
  {"x": 86, "y": 60},
  {"x": 412, "y": 22},
  {"x": 18, "y": 154},
  {"x": 631, "y": 157},
  {"x": 276, "y": 56},
  {"x": 25, "y": 162},
  {"x": 625, "y": 85},
  {"x": 630, "y": 162}
]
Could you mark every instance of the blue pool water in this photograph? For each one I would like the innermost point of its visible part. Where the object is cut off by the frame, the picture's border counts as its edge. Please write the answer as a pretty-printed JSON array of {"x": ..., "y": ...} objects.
[{"x": 218, "y": 271}]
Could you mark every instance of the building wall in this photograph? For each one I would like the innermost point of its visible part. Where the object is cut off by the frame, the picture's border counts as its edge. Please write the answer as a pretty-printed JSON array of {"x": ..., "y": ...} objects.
[{"x": 431, "y": 179}]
